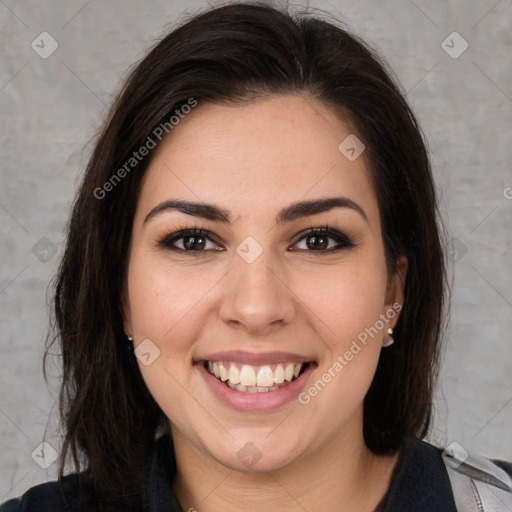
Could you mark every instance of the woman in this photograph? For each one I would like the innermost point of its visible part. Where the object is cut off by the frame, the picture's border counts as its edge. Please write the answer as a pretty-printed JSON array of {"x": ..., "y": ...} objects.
[{"x": 251, "y": 300}]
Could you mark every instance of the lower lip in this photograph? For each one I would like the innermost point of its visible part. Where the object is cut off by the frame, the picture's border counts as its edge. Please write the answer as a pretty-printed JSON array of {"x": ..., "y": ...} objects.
[{"x": 255, "y": 402}]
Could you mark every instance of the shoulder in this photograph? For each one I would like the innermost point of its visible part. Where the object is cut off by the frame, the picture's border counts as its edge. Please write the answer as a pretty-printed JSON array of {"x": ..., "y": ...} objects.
[
  {"x": 67, "y": 494},
  {"x": 424, "y": 479},
  {"x": 420, "y": 482},
  {"x": 478, "y": 480},
  {"x": 75, "y": 492},
  {"x": 506, "y": 466}
]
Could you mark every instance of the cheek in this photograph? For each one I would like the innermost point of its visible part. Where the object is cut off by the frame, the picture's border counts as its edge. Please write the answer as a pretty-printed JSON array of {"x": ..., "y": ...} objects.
[
  {"x": 345, "y": 310},
  {"x": 346, "y": 301},
  {"x": 162, "y": 310},
  {"x": 163, "y": 299}
]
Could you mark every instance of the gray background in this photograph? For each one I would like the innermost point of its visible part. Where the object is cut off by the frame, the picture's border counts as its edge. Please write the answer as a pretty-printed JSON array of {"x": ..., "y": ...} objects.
[{"x": 50, "y": 108}]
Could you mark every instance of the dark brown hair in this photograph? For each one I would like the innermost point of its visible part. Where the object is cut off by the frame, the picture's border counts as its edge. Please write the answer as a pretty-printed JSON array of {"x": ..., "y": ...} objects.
[{"x": 231, "y": 54}]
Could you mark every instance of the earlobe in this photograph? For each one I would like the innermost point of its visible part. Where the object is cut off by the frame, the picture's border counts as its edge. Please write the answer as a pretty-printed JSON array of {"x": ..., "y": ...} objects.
[{"x": 395, "y": 297}]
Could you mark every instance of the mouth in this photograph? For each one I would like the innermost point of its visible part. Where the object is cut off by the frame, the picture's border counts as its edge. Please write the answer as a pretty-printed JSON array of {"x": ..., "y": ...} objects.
[
  {"x": 248, "y": 378},
  {"x": 255, "y": 382}
]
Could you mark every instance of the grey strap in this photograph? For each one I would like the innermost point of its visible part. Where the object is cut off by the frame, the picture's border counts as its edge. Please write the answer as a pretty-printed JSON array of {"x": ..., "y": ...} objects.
[
  {"x": 463, "y": 491},
  {"x": 478, "y": 484}
]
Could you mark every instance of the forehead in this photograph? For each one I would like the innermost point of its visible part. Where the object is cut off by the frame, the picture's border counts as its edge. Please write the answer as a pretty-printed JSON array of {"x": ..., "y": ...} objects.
[{"x": 256, "y": 155}]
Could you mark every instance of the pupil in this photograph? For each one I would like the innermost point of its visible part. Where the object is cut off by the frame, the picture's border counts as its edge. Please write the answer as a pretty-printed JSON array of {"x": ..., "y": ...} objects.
[
  {"x": 318, "y": 242},
  {"x": 191, "y": 240}
]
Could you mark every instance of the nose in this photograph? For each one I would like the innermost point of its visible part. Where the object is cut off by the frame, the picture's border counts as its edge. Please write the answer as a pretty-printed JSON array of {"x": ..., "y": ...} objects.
[{"x": 256, "y": 296}]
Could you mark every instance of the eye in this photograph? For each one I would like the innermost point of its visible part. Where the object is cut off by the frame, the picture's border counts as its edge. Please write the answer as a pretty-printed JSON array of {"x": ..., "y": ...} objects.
[
  {"x": 317, "y": 240},
  {"x": 191, "y": 241},
  {"x": 194, "y": 242}
]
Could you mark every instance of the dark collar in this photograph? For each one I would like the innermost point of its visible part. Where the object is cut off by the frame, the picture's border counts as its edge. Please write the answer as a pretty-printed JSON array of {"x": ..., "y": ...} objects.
[
  {"x": 420, "y": 482},
  {"x": 158, "y": 495}
]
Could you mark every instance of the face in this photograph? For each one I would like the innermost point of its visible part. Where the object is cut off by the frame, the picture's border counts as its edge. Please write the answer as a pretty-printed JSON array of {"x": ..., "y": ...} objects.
[{"x": 281, "y": 294}]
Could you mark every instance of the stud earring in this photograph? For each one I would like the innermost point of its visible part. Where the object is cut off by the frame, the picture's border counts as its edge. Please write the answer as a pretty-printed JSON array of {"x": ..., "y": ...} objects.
[
  {"x": 390, "y": 340},
  {"x": 130, "y": 338}
]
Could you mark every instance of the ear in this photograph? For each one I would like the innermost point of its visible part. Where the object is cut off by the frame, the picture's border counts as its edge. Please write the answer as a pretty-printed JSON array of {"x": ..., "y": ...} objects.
[{"x": 395, "y": 291}]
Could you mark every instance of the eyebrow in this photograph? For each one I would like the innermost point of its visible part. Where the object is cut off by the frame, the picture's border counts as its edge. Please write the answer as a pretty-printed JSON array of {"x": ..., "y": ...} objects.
[{"x": 292, "y": 212}]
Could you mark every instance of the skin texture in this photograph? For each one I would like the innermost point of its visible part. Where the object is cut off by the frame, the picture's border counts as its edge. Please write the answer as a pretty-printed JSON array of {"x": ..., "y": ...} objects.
[{"x": 253, "y": 160}]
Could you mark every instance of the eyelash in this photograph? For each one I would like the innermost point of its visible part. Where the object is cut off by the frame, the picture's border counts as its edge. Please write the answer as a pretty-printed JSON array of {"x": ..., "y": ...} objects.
[{"x": 343, "y": 242}]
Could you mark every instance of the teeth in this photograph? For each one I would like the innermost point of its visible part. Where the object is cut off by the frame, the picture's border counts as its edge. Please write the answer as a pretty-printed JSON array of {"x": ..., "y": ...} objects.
[
  {"x": 247, "y": 376},
  {"x": 288, "y": 373},
  {"x": 279, "y": 375},
  {"x": 234, "y": 374},
  {"x": 251, "y": 389},
  {"x": 265, "y": 376},
  {"x": 223, "y": 372},
  {"x": 251, "y": 379}
]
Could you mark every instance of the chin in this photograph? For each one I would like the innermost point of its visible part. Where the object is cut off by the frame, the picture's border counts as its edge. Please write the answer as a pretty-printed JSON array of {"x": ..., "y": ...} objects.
[{"x": 258, "y": 452}]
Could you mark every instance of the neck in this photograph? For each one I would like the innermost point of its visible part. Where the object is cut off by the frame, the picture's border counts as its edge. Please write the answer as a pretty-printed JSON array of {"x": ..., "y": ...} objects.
[{"x": 343, "y": 476}]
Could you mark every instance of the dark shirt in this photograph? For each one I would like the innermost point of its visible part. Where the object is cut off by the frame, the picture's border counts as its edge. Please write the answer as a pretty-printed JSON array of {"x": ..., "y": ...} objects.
[{"x": 420, "y": 483}]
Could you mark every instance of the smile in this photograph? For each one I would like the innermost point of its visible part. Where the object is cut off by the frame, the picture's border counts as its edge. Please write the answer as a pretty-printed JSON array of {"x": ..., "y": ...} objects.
[
  {"x": 255, "y": 382},
  {"x": 255, "y": 379}
]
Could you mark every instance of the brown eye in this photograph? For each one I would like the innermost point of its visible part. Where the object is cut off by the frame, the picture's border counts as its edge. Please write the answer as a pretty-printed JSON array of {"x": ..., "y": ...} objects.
[
  {"x": 318, "y": 240},
  {"x": 189, "y": 241},
  {"x": 194, "y": 242}
]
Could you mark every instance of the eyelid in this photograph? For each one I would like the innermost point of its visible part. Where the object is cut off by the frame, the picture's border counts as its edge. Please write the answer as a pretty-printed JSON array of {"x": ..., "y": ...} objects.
[
  {"x": 343, "y": 241},
  {"x": 167, "y": 240},
  {"x": 325, "y": 230}
]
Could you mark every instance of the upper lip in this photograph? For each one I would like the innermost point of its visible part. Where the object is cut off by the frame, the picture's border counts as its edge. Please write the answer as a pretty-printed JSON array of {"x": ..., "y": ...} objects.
[{"x": 252, "y": 358}]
